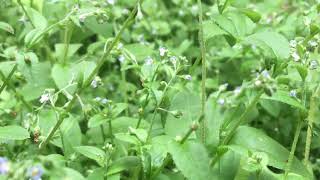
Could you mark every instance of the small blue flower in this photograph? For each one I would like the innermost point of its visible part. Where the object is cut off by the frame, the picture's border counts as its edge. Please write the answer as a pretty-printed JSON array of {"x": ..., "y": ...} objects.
[
  {"x": 35, "y": 172},
  {"x": 4, "y": 166}
]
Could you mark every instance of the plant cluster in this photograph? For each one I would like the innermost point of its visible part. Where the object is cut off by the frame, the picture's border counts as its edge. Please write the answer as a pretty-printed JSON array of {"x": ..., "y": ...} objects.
[{"x": 159, "y": 89}]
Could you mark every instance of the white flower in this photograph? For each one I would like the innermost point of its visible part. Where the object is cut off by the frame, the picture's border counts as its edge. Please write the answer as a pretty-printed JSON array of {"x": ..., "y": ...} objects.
[
  {"x": 293, "y": 93},
  {"x": 221, "y": 102},
  {"x": 257, "y": 83},
  {"x": 104, "y": 101},
  {"x": 82, "y": 18},
  {"x": 295, "y": 56},
  {"x": 173, "y": 59},
  {"x": 98, "y": 99},
  {"x": 194, "y": 10},
  {"x": 265, "y": 74},
  {"x": 237, "y": 91},
  {"x": 111, "y": 2},
  {"x": 188, "y": 77},
  {"x": 307, "y": 21},
  {"x": 95, "y": 82},
  {"x": 149, "y": 61},
  {"x": 314, "y": 64},
  {"x": 121, "y": 58},
  {"x": 223, "y": 87},
  {"x": 125, "y": 11},
  {"x": 293, "y": 43},
  {"x": 163, "y": 51},
  {"x": 44, "y": 98},
  {"x": 120, "y": 46},
  {"x": 313, "y": 43}
]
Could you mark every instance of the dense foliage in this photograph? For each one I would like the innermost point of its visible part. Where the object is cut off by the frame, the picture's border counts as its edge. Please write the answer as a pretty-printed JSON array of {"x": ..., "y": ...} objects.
[{"x": 159, "y": 89}]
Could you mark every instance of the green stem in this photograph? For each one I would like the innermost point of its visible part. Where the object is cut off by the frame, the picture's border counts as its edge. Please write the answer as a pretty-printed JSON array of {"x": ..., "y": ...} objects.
[
  {"x": 92, "y": 75},
  {"x": 147, "y": 98},
  {"x": 158, "y": 106},
  {"x": 124, "y": 89},
  {"x": 203, "y": 74},
  {"x": 242, "y": 119},
  {"x": 6, "y": 81},
  {"x": 102, "y": 132},
  {"x": 67, "y": 38},
  {"x": 110, "y": 131},
  {"x": 293, "y": 149},
  {"x": 311, "y": 118},
  {"x": 185, "y": 137},
  {"x": 26, "y": 13}
]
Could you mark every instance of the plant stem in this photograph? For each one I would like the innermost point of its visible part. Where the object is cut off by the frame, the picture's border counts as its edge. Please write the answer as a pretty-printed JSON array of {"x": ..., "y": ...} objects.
[
  {"x": 67, "y": 38},
  {"x": 102, "y": 132},
  {"x": 296, "y": 134},
  {"x": 293, "y": 149},
  {"x": 6, "y": 81},
  {"x": 124, "y": 89},
  {"x": 242, "y": 118},
  {"x": 203, "y": 74},
  {"x": 93, "y": 73},
  {"x": 158, "y": 106},
  {"x": 311, "y": 118},
  {"x": 26, "y": 13},
  {"x": 238, "y": 123}
]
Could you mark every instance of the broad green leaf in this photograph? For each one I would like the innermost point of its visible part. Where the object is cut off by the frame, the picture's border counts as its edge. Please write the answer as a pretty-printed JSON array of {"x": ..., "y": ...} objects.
[
  {"x": 97, "y": 120},
  {"x": 63, "y": 76},
  {"x": 159, "y": 149},
  {"x": 67, "y": 173},
  {"x": 93, "y": 153},
  {"x": 37, "y": 19},
  {"x": 253, "y": 15},
  {"x": 210, "y": 29},
  {"x": 140, "y": 51},
  {"x": 192, "y": 159},
  {"x": 278, "y": 44},
  {"x": 60, "y": 48},
  {"x": 284, "y": 97},
  {"x": 105, "y": 29},
  {"x": 6, "y": 27},
  {"x": 256, "y": 140},
  {"x": 189, "y": 104},
  {"x": 124, "y": 163},
  {"x": 13, "y": 133}
]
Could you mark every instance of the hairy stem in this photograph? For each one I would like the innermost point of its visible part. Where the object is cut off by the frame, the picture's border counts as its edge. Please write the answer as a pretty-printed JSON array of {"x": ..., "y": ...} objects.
[
  {"x": 311, "y": 118},
  {"x": 293, "y": 149},
  {"x": 67, "y": 38},
  {"x": 203, "y": 74}
]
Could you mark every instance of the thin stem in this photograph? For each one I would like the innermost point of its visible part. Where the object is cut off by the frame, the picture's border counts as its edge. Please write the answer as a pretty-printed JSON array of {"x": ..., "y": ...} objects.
[
  {"x": 296, "y": 134},
  {"x": 158, "y": 106},
  {"x": 293, "y": 149},
  {"x": 26, "y": 13},
  {"x": 242, "y": 118},
  {"x": 110, "y": 131},
  {"x": 238, "y": 123},
  {"x": 93, "y": 73},
  {"x": 18, "y": 95},
  {"x": 203, "y": 74},
  {"x": 311, "y": 118},
  {"x": 102, "y": 132},
  {"x": 147, "y": 99},
  {"x": 6, "y": 81},
  {"x": 124, "y": 89},
  {"x": 67, "y": 38}
]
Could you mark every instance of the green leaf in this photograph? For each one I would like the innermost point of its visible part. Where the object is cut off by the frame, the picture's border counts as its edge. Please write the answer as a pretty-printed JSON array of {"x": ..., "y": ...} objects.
[
  {"x": 105, "y": 29},
  {"x": 92, "y": 152},
  {"x": 255, "y": 140},
  {"x": 140, "y": 51},
  {"x": 189, "y": 104},
  {"x": 37, "y": 19},
  {"x": 63, "y": 76},
  {"x": 124, "y": 163},
  {"x": 97, "y": 120},
  {"x": 6, "y": 27},
  {"x": 253, "y": 15},
  {"x": 192, "y": 159},
  {"x": 13, "y": 133},
  {"x": 275, "y": 42},
  {"x": 60, "y": 48},
  {"x": 284, "y": 97}
]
